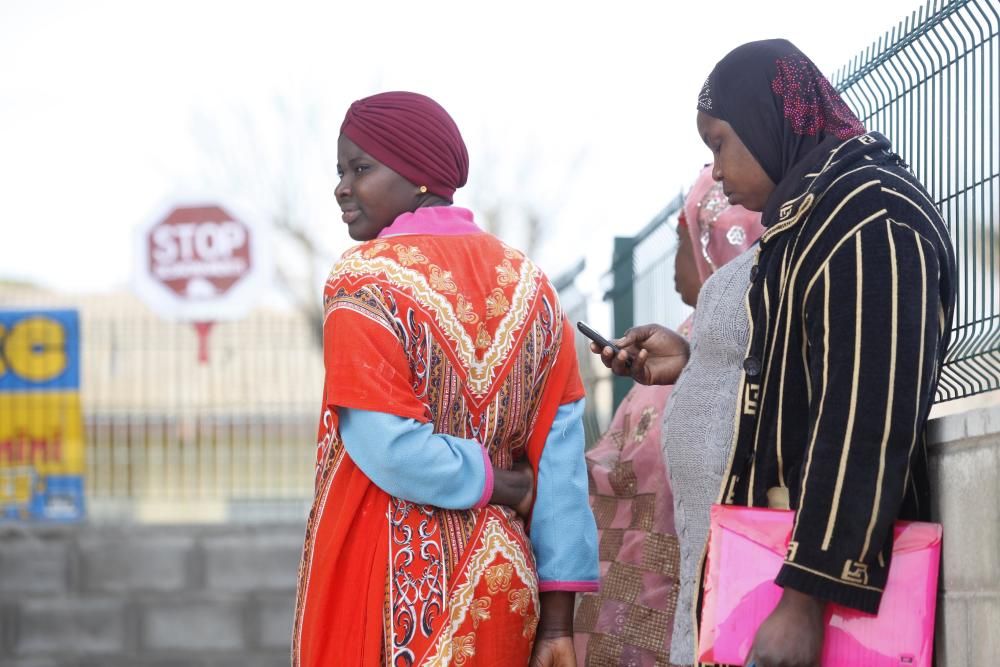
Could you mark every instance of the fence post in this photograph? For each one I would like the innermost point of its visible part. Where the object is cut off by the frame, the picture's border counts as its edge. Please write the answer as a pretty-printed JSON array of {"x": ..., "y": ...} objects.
[{"x": 622, "y": 303}]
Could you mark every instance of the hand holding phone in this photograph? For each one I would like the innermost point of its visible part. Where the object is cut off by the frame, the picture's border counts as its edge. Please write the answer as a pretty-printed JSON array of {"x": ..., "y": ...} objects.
[
  {"x": 653, "y": 353},
  {"x": 597, "y": 338},
  {"x": 602, "y": 342}
]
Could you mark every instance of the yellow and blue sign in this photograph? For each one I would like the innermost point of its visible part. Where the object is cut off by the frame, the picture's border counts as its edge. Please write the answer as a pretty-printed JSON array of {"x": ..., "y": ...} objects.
[{"x": 41, "y": 426}]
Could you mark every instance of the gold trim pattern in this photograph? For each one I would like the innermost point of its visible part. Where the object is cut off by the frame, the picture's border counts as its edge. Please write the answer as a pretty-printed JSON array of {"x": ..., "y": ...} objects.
[
  {"x": 409, "y": 255},
  {"x": 479, "y": 368},
  {"x": 495, "y": 541}
]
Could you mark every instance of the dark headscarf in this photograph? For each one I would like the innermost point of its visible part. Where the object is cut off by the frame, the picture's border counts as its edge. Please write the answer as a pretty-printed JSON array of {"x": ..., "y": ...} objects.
[
  {"x": 412, "y": 135},
  {"x": 778, "y": 102}
]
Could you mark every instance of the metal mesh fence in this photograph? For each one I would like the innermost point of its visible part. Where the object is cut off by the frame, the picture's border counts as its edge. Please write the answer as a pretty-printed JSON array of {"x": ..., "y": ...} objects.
[{"x": 930, "y": 85}]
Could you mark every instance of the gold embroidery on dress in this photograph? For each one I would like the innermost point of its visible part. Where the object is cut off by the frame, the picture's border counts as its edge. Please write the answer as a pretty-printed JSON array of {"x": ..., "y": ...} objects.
[
  {"x": 495, "y": 541},
  {"x": 496, "y": 303},
  {"x": 441, "y": 280},
  {"x": 506, "y": 273},
  {"x": 463, "y": 647},
  {"x": 479, "y": 367},
  {"x": 519, "y": 598},
  {"x": 645, "y": 421},
  {"x": 623, "y": 582},
  {"x": 480, "y": 611},
  {"x": 610, "y": 543},
  {"x": 530, "y": 626},
  {"x": 662, "y": 553},
  {"x": 375, "y": 249},
  {"x": 511, "y": 253},
  {"x": 483, "y": 338},
  {"x": 409, "y": 255},
  {"x": 498, "y": 577},
  {"x": 586, "y": 613},
  {"x": 623, "y": 479},
  {"x": 643, "y": 512},
  {"x": 465, "y": 312}
]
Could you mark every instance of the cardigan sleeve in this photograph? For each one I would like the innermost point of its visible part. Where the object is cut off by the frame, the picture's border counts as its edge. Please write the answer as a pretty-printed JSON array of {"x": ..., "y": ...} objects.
[
  {"x": 563, "y": 530},
  {"x": 872, "y": 331}
]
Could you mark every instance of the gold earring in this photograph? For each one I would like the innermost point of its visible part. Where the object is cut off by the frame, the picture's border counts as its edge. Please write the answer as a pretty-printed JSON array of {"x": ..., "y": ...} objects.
[{"x": 423, "y": 189}]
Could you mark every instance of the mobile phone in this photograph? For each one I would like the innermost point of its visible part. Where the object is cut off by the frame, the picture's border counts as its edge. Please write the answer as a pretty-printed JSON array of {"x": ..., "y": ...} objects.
[{"x": 596, "y": 337}]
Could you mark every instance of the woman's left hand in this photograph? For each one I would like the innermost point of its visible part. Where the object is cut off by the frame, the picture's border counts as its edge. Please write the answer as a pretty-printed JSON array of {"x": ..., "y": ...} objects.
[
  {"x": 523, "y": 508},
  {"x": 514, "y": 488},
  {"x": 554, "y": 641},
  {"x": 553, "y": 652},
  {"x": 792, "y": 636}
]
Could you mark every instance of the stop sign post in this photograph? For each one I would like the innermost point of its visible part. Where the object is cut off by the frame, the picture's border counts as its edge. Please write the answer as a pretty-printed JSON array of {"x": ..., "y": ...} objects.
[{"x": 199, "y": 262}]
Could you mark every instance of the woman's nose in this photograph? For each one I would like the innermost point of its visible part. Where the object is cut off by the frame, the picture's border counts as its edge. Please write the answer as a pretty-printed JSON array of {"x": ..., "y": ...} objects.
[
  {"x": 342, "y": 189},
  {"x": 716, "y": 172}
]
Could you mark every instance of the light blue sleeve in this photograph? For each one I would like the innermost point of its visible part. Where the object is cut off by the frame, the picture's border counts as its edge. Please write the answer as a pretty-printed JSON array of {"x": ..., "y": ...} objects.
[
  {"x": 406, "y": 459},
  {"x": 563, "y": 530}
]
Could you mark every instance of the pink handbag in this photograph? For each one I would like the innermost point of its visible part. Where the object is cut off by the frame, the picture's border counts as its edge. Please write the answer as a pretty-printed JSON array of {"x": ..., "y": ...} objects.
[{"x": 746, "y": 548}]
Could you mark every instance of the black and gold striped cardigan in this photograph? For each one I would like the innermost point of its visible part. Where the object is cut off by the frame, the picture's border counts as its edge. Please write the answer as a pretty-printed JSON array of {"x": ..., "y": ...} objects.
[{"x": 850, "y": 309}]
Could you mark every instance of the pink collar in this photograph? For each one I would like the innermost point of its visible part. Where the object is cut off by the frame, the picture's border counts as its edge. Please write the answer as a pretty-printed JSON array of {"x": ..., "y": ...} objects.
[{"x": 436, "y": 220}]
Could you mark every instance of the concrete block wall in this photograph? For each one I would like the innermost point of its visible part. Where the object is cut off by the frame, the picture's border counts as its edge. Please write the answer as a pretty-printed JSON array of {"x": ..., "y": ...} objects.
[
  {"x": 964, "y": 454},
  {"x": 141, "y": 596}
]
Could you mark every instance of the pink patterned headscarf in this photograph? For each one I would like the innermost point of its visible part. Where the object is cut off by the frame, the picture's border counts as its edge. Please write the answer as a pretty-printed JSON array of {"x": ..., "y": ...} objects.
[{"x": 719, "y": 232}]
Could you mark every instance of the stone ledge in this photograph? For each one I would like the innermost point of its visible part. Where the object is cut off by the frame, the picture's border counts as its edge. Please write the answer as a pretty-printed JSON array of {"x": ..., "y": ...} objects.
[
  {"x": 976, "y": 423},
  {"x": 965, "y": 496},
  {"x": 951, "y": 638},
  {"x": 984, "y": 621}
]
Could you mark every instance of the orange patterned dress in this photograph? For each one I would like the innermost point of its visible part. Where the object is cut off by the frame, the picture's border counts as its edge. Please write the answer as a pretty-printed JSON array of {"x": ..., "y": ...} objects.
[{"x": 463, "y": 331}]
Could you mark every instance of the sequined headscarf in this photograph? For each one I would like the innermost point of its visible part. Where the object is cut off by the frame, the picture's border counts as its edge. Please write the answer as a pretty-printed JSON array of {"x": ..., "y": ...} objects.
[
  {"x": 719, "y": 231},
  {"x": 778, "y": 102}
]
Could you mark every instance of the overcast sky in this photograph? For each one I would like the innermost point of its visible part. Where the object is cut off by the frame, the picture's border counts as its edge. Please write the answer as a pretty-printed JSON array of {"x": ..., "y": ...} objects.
[{"x": 585, "y": 110}]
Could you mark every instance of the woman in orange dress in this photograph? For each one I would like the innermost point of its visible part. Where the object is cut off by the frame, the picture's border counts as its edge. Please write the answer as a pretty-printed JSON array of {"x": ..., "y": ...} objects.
[{"x": 448, "y": 361}]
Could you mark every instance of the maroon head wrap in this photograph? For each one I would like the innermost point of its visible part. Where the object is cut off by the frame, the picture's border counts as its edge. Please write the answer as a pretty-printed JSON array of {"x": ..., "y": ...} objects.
[{"x": 412, "y": 135}]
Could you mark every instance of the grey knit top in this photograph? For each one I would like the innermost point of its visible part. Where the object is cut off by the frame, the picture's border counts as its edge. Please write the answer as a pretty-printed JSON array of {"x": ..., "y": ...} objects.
[{"x": 698, "y": 427}]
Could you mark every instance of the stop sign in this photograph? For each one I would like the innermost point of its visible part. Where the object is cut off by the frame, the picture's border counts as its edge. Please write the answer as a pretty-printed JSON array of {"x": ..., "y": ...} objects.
[
  {"x": 199, "y": 262},
  {"x": 199, "y": 251}
]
